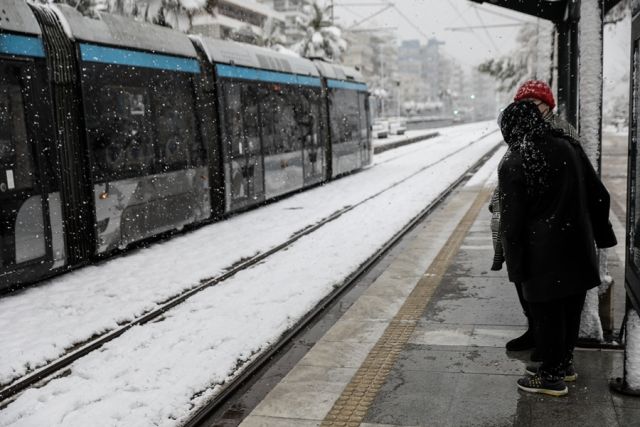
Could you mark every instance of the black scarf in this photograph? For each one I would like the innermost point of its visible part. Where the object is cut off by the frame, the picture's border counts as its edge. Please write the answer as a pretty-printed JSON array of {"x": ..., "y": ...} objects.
[{"x": 523, "y": 128}]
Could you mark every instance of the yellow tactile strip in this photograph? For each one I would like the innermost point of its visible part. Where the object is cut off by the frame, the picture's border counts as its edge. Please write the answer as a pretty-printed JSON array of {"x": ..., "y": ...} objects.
[{"x": 355, "y": 400}]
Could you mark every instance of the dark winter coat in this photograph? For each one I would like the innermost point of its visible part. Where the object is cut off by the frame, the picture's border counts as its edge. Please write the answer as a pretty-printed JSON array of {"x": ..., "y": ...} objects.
[
  {"x": 553, "y": 208},
  {"x": 556, "y": 123}
]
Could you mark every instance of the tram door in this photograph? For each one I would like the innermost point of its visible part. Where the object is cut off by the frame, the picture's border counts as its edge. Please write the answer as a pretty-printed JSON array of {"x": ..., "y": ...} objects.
[
  {"x": 22, "y": 220},
  {"x": 632, "y": 276},
  {"x": 243, "y": 157}
]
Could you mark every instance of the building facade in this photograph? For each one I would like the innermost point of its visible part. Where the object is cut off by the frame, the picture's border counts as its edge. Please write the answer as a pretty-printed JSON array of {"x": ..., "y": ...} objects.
[{"x": 236, "y": 19}]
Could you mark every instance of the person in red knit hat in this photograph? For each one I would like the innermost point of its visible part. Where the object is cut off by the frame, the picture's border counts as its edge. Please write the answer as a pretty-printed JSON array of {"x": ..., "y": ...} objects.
[{"x": 538, "y": 92}]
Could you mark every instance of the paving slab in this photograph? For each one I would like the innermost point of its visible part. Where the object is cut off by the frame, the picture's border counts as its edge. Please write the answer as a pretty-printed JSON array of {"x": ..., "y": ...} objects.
[
  {"x": 306, "y": 393},
  {"x": 453, "y": 370}
]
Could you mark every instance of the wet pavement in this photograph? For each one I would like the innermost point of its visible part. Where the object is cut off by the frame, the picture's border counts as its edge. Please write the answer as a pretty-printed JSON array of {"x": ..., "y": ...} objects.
[
  {"x": 451, "y": 368},
  {"x": 455, "y": 370}
]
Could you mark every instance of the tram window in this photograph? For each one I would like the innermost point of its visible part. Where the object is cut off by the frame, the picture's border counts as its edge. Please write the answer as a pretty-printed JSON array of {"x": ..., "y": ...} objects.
[
  {"x": 231, "y": 119},
  {"x": 122, "y": 142},
  {"x": 288, "y": 131},
  {"x": 268, "y": 118},
  {"x": 363, "y": 116},
  {"x": 179, "y": 143},
  {"x": 345, "y": 127},
  {"x": 240, "y": 121},
  {"x": 306, "y": 115},
  {"x": 16, "y": 160},
  {"x": 250, "y": 118}
]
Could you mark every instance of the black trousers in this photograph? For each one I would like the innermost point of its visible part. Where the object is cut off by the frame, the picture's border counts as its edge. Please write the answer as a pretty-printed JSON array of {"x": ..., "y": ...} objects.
[
  {"x": 523, "y": 302},
  {"x": 556, "y": 332}
]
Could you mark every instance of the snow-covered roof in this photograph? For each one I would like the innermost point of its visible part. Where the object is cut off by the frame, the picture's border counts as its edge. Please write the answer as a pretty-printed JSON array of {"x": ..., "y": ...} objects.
[
  {"x": 222, "y": 20},
  {"x": 257, "y": 8},
  {"x": 119, "y": 31},
  {"x": 339, "y": 72},
  {"x": 16, "y": 16},
  {"x": 234, "y": 53}
]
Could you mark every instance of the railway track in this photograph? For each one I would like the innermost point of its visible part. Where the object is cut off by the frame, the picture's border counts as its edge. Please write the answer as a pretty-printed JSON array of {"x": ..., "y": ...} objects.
[
  {"x": 204, "y": 415},
  {"x": 57, "y": 367}
]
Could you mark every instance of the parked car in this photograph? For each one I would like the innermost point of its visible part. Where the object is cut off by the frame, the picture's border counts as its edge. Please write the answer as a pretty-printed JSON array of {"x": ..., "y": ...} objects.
[
  {"x": 380, "y": 129},
  {"x": 397, "y": 126}
]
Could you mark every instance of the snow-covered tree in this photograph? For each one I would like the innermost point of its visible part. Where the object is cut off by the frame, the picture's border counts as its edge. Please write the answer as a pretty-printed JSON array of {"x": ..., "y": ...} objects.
[
  {"x": 522, "y": 63},
  {"x": 321, "y": 38},
  {"x": 177, "y": 14},
  {"x": 270, "y": 36}
]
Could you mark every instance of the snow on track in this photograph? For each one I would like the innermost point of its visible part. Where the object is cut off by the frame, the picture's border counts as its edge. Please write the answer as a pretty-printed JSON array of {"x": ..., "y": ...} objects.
[
  {"x": 151, "y": 373},
  {"x": 40, "y": 323}
]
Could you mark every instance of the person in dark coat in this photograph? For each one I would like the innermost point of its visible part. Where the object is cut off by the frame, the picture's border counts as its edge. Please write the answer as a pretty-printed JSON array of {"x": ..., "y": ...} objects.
[
  {"x": 554, "y": 210},
  {"x": 540, "y": 94}
]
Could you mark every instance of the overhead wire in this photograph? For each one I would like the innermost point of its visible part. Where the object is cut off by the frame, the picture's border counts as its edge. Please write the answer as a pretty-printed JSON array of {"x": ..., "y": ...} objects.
[
  {"x": 453, "y": 6},
  {"x": 388, "y": 6},
  {"x": 486, "y": 31}
]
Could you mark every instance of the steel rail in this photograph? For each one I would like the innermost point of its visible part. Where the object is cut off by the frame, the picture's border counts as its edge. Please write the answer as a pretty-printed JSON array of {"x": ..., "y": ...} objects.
[
  {"x": 50, "y": 370},
  {"x": 204, "y": 414}
]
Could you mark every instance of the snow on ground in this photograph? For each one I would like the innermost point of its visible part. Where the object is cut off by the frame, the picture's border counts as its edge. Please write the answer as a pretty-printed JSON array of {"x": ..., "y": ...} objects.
[
  {"x": 39, "y": 324},
  {"x": 488, "y": 173},
  {"x": 150, "y": 375},
  {"x": 392, "y": 139}
]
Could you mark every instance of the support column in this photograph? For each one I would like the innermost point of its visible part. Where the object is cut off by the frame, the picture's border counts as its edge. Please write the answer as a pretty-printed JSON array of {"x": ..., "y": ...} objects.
[{"x": 590, "y": 127}]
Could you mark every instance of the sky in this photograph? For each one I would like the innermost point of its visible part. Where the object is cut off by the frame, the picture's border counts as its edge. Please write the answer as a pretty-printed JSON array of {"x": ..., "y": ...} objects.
[{"x": 432, "y": 18}]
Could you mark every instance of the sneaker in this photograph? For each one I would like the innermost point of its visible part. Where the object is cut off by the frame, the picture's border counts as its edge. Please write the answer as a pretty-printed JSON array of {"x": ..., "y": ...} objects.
[
  {"x": 552, "y": 386},
  {"x": 523, "y": 342},
  {"x": 570, "y": 373}
]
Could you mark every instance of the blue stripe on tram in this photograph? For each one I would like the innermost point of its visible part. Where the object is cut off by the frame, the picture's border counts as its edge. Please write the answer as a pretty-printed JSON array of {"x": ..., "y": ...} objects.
[
  {"x": 341, "y": 84},
  {"x": 112, "y": 55},
  {"x": 13, "y": 44},
  {"x": 231, "y": 71}
]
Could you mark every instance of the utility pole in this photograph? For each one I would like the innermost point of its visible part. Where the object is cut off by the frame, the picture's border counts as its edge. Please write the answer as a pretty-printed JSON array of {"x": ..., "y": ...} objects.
[{"x": 333, "y": 20}]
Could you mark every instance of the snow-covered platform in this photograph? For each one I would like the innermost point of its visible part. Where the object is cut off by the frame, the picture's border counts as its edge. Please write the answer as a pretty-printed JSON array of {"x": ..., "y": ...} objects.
[{"x": 424, "y": 345}]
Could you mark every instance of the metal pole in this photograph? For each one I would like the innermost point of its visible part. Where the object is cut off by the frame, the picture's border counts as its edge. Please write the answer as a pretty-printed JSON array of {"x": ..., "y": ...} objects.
[
  {"x": 332, "y": 15},
  {"x": 564, "y": 71},
  {"x": 574, "y": 75}
]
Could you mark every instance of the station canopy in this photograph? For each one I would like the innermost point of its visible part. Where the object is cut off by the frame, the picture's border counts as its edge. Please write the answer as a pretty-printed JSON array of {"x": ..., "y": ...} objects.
[{"x": 552, "y": 10}]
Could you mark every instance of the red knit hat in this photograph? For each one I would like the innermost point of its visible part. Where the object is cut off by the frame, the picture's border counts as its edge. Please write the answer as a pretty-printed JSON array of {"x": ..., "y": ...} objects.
[{"x": 536, "y": 89}]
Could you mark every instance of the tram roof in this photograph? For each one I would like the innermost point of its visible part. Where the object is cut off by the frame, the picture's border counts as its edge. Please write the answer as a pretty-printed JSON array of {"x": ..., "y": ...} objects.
[
  {"x": 338, "y": 72},
  {"x": 16, "y": 16},
  {"x": 246, "y": 55},
  {"x": 119, "y": 31}
]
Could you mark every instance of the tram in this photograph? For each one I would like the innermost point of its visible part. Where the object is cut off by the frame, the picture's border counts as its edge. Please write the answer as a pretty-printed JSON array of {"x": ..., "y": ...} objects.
[{"x": 114, "y": 132}]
